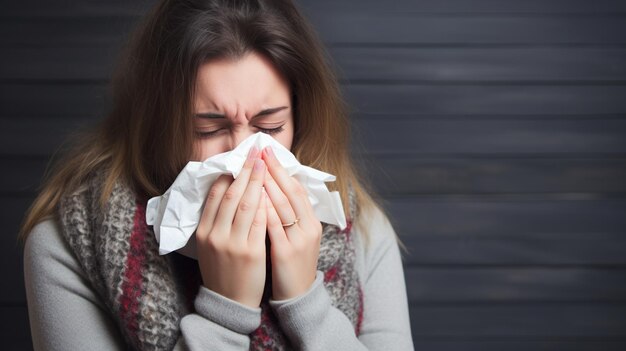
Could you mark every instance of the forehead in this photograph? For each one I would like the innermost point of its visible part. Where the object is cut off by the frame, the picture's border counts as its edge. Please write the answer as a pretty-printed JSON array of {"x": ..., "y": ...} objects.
[{"x": 250, "y": 82}]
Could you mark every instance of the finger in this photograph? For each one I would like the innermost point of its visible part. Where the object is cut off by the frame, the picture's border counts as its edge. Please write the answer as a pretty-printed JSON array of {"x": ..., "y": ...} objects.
[
  {"x": 275, "y": 229},
  {"x": 259, "y": 224},
  {"x": 279, "y": 201},
  {"x": 296, "y": 195},
  {"x": 309, "y": 208},
  {"x": 232, "y": 196},
  {"x": 247, "y": 208},
  {"x": 212, "y": 203}
]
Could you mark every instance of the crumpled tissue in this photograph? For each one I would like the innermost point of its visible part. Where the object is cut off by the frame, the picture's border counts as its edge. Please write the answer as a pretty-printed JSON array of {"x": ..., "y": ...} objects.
[{"x": 175, "y": 215}]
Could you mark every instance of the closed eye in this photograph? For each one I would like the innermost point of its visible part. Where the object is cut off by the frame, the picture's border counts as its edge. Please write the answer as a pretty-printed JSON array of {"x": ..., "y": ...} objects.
[
  {"x": 271, "y": 131},
  {"x": 208, "y": 134}
]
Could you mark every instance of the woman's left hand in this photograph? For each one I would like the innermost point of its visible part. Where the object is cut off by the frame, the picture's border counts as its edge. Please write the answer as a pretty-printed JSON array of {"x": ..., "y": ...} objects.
[{"x": 295, "y": 248}]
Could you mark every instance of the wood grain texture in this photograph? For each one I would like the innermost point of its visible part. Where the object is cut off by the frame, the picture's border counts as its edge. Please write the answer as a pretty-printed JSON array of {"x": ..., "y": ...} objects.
[
  {"x": 486, "y": 99},
  {"x": 67, "y": 99},
  {"x": 138, "y": 8},
  {"x": 526, "y": 320},
  {"x": 352, "y": 28},
  {"x": 564, "y": 65}
]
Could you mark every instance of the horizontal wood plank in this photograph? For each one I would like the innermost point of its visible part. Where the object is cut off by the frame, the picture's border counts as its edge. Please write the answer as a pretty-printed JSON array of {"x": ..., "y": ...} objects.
[
  {"x": 513, "y": 249},
  {"x": 382, "y": 101},
  {"x": 350, "y": 28},
  {"x": 565, "y": 65},
  {"x": 53, "y": 100},
  {"x": 14, "y": 323},
  {"x": 12, "y": 262},
  {"x": 405, "y": 28},
  {"x": 428, "y": 285},
  {"x": 462, "y": 7},
  {"x": 476, "y": 99},
  {"x": 39, "y": 8},
  {"x": 569, "y": 65},
  {"x": 414, "y": 175},
  {"x": 52, "y": 63},
  {"x": 32, "y": 137},
  {"x": 487, "y": 216},
  {"x": 532, "y": 320}
]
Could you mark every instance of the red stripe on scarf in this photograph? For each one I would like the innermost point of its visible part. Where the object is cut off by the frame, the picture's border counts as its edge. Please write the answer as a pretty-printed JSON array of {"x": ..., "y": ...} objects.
[
  {"x": 348, "y": 230},
  {"x": 330, "y": 274},
  {"x": 359, "y": 319},
  {"x": 132, "y": 284}
]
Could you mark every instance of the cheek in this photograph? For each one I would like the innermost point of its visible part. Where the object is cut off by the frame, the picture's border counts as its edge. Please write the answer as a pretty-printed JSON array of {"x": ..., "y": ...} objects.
[
  {"x": 203, "y": 149},
  {"x": 285, "y": 140},
  {"x": 286, "y": 137}
]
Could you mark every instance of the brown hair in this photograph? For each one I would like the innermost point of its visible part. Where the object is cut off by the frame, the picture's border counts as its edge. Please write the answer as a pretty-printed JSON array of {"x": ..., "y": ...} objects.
[{"x": 147, "y": 138}]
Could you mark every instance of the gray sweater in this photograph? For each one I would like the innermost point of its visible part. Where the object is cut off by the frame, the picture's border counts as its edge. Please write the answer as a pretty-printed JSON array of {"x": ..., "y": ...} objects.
[{"x": 66, "y": 313}]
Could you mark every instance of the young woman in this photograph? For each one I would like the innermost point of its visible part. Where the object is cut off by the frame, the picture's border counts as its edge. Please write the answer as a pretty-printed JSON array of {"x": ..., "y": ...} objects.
[{"x": 198, "y": 77}]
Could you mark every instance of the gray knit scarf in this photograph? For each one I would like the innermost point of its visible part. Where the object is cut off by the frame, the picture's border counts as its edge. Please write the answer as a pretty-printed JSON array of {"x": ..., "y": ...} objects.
[{"x": 148, "y": 294}]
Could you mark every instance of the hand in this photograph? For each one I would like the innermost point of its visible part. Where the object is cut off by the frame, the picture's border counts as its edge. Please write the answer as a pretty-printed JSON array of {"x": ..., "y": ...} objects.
[
  {"x": 295, "y": 249},
  {"x": 231, "y": 235}
]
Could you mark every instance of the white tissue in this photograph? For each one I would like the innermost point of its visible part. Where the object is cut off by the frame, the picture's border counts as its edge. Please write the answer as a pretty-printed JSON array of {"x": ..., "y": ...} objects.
[{"x": 175, "y": 215}]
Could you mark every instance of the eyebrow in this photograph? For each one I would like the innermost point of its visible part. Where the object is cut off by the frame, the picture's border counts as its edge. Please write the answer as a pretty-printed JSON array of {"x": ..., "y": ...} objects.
[{"x": 269, "y": 111}]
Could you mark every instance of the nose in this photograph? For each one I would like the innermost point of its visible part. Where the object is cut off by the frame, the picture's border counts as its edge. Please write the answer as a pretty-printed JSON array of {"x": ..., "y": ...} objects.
[{"x": 237, "y": 136}]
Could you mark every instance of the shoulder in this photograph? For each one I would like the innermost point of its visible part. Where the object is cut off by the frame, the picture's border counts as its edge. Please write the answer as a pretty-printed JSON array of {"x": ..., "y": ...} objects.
[
  {"x": 46, "y": 251},
  {"x": 374, "y": 228},
  {"x": 44, "y": 240}
]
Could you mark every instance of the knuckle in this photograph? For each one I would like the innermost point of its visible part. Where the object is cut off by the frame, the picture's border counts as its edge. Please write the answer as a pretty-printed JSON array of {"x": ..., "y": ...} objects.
[
  {"x": 246, "y": 255},
  {"x": 213, "y": 193},
  {"x": 256, "y": 181},
  {"x": 202, "y": 230},
  {"x": 245, "y": 206},
  {"x": 211, "y": 243},
  {"x": 255, "y": 255},
  {"x": 230, "y": 194},
  {"x": 233, "y": 250},
  {"x": 299, "y": 246}
]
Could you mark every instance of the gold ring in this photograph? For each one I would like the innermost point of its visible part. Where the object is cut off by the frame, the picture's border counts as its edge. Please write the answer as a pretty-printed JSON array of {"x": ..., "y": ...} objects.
[{"x": 292, "y": 223}]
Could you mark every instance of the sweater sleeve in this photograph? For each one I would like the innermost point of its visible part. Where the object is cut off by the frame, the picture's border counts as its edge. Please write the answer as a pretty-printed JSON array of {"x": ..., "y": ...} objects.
[
  {"x": 312, "y": 323},
  {"x": 66, "y": 313},
  {"x": 223, "y": 326}
]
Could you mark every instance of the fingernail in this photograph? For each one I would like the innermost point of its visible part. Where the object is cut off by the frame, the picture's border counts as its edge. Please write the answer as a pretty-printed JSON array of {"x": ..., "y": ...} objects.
[
  {"x": 258, "y": 165},
  {"x": 269, "y": 151}
]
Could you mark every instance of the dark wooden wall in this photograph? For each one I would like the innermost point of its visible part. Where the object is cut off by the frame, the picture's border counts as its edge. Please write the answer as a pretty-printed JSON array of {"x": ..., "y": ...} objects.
[{"x": 494, "y": 129}]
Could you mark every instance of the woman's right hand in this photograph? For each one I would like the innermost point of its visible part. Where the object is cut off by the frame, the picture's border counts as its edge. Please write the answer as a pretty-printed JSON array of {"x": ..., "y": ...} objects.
[{"x": 231, "y": 234}]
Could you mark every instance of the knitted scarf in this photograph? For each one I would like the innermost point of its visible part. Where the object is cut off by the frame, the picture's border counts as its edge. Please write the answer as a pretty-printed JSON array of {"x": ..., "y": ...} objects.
[{"x": 148, "y": 293}]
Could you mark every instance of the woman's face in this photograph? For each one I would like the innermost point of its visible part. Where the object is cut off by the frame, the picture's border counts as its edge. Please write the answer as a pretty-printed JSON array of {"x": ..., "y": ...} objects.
[{"x": 235, "y": 99}]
